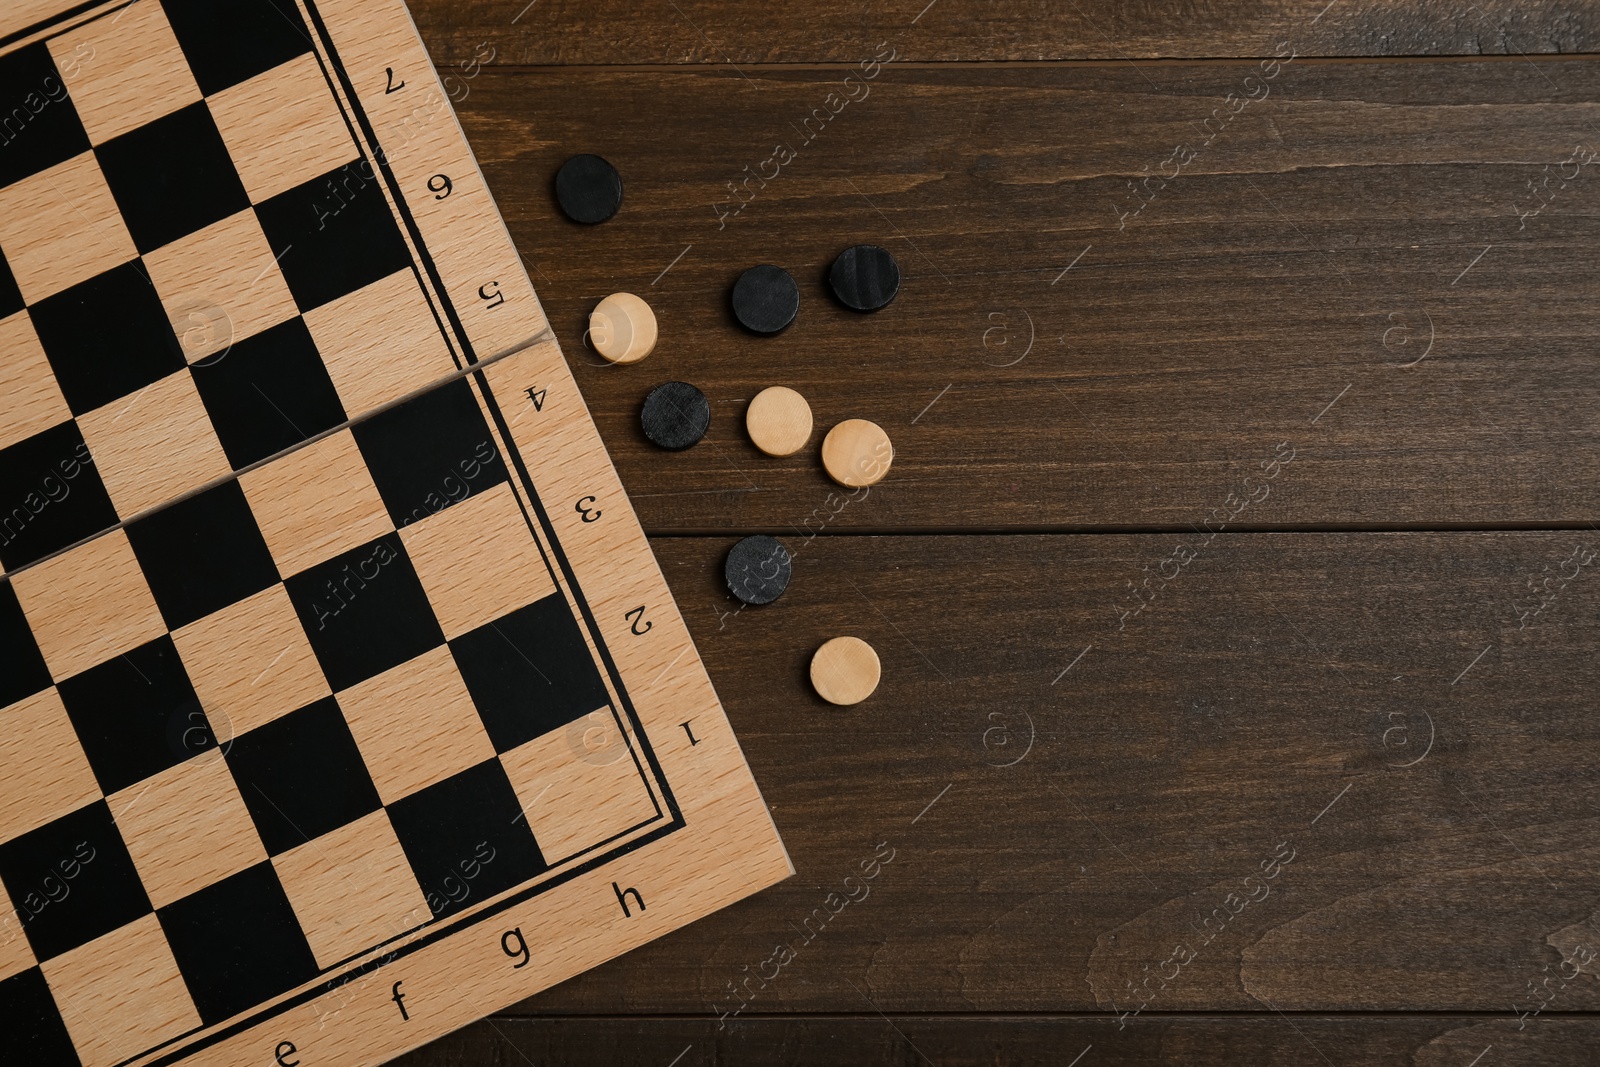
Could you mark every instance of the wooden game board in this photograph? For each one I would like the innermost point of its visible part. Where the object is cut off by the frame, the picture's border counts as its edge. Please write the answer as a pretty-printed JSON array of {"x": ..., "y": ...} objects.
[{"x": 343, "y": 700}]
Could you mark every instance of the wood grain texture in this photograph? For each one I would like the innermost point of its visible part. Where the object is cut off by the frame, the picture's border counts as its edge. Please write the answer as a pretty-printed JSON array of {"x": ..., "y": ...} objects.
[
  {"x": 1283, "y": 288},
  {"x": 1272, "y": 693},
  {"x": 726, "y": 33},
  {"x": 1264, "y": 1040}
]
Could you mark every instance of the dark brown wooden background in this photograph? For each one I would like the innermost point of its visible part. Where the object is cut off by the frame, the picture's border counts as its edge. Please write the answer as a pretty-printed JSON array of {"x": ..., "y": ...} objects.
[{"x": 1087, "y": 737}]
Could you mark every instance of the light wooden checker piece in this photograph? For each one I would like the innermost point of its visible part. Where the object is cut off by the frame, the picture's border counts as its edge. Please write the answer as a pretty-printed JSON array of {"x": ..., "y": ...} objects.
[{"x": 345, "y": 703}]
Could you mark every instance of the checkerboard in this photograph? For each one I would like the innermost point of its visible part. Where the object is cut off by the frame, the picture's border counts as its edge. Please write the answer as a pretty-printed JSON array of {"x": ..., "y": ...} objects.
[{"x": 343, "y": 700}]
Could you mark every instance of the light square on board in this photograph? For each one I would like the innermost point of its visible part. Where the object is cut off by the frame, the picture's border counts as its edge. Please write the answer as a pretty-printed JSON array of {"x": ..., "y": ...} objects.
[
  {"x": 88, "y": 604},
  {"x": 380, "y": 343},
  {"x": 226, "y": 266},
  {"x": 30, "y": 399},
  {"x": 186, "y": 828},
  {"x": 121, "y": 991},
  {"x": 154, "y": 445},
  {"x": 250, "y": 663},
  {"x": 315, "y": 503},
  {"x": 283, "y": 127},
  {"x": 415, "y": 724},
  {"x": 352, "y": 889},
  {"x": 62, "y": 226},
  {"x": 46, "y": 775},
  {"x": 15, "y": 955},
  {"x": 124, "y": 70},
  {"x": 576, "y": 797},
  {"x": 506, "y": 569}
]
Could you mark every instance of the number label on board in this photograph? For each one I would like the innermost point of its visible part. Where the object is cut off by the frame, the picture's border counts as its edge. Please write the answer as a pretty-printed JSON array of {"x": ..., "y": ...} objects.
[
  {"x": 391, "y": 87},
  {"x": 441, "y": 186}
]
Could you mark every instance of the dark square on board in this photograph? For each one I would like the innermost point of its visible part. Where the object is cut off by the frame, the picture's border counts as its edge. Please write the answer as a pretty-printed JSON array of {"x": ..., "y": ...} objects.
[
  {"x": 172, "y": 177},
  {"x": 227, "y": 43},
  {"x": 470, "y": 822},
  {"x": 365, "y": 611},
  {"x": 84, "y": 852},
  {"x": 237, "y": 943},
  {"x": 107, "y": 337},
  {"x": 202, "y": 554},
  {"x": 31, "y": 1023},
  {"x": 529, "y": 672},
  {"x": 10, "y": 296},
  {"x": 430, "y": 452},
  {"x": 302, "y": 776},
  {"x": 51, "y": 496},
  {"x": 267, "y": 393},
  {"x": 333, "y": 235},
  {"x": 24, "y": 672},
  {"x": 39, "y": 127},
  {"x": 136, "y": 715}
]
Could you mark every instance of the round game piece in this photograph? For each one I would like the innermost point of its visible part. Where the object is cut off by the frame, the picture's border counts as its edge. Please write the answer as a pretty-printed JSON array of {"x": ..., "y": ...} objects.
[
  {"x": 758, "y": 569},
  {"x": 622, "y": 328},
  {"x": 779, "y": 421},
  {"x": 857, "y": 453},
  {"x": 865, "y": 278},
  {"x": 765, "y": 299},
  {"x": 675, "y": 415},
  {"x": 845, "y": 671},
  {"x": 588, "y": 189}
]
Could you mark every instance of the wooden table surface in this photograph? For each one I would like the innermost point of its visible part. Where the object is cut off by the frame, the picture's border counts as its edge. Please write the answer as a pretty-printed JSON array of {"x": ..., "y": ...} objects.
[{"x": 1236, "y": 580}]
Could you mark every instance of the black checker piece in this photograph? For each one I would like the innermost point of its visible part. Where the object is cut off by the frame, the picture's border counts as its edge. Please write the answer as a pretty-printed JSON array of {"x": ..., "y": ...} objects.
[
  {"x": 267, "y": 393},
  {"x": 172, "y": 177},
  {"x": 229, "y": 42},
  {"x": 39, "y": 125},
  {"x": 136, "y": 715},
  {"x": 237, "y": 943},
  {"x": 202, "y": 554},
  {"x": 50, "y": 496},
  {"x": 529, "y": 672},
  {"x": 302, "y": 776},
  {"x": 766, "y": 299},
  {"x": 589, "y": 189},
  {"x": 107, "y": 337},
  {"x": 10, "y": 296},
  {"x": 25, "y": 672},
  {"x": 468, "y": 824},
  {"x": 430, "y": 452},
  {"x": 333, "y": 235},
  {"x": 83, "y": 854},
  {"x": 365, "y": 611},
  {"x": 34, "y": 1032},
  {"x": 675, "y": 416}
]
